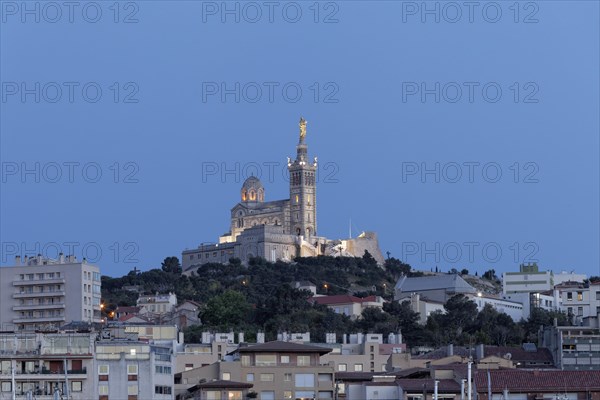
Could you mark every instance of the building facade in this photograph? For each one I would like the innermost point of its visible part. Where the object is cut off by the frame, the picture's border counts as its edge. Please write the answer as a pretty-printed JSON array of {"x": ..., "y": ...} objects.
[
  {"x": 41, "y": 292},
  {"x": 44, "y": 365},
  {"x": 529, "y": 279}
]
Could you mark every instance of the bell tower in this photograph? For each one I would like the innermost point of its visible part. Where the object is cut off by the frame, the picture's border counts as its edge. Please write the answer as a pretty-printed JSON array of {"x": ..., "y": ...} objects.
[{"x": 303, "y": 189}]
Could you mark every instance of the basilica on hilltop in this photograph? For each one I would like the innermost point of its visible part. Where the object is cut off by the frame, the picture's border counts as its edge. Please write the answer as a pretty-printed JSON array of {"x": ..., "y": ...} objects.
[{"x": 280, "y": 229}]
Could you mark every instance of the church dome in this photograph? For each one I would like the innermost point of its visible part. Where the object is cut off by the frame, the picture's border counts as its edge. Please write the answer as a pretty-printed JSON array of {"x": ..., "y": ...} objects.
[{"x": 253, "y": 190}]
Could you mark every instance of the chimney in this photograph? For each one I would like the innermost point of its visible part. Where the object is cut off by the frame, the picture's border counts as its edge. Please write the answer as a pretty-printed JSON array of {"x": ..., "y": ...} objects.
[
  {"x": 241, "y": 337},
  {"x": 479, "y": 352},
  {"x": 17, "y": 260},
  {"x": 61, "y": 258},
  {"x": 39, "y": 259},
  {"x": 450, "y": 349},
  {"x": 344, "y": 338},
  {"x": 399, "y": 337},
  {"x": 25, "y": 260},
  {"x": 260, "y": 337}
]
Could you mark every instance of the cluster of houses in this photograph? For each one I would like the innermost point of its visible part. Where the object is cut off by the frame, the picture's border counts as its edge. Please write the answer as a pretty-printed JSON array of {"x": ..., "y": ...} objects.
[
  {"x": 145, "y": 361},
  {"x": 522, "y": 291}
]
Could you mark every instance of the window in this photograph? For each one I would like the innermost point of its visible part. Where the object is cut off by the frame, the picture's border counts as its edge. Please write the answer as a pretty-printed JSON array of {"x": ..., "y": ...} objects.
[
  {"x": 162, "y": 389},
  {"x": 569, "y": 296},
  {"x": 132, "y": 390},
  {"x": 246, "y": 361},
  {"x": 267, "y": 395},
  {"x": 324, "y": 378},
  {"x": 163, "y": 369},
  {"x": 249, "y": 377},
  {"x": 103, "y": 390},
  {"x": 226, "y": 376},
  {"x": 263, "y": 360},
  {"x": 132, "y": 370},
  {"x": 76, "y": 386},
  {"x": 6, "y": 386},
  {"x": 342, "y": 367},
  {"x": 579, "y": 296},
  {"x": 213, "y": 395},
  {"x": 358, "y": 367},
  {"x": 285, "y": 359},
  {"x": 305, "y": 380},
  {"x": 579, "y": 310},
  {"x": 287, "y": 395},
  {"x": 102, "y": 369},
  {"x": 303, "y": 361},
  {"x": 266, "y": 377},
  {"x": 287, "y": 377}
]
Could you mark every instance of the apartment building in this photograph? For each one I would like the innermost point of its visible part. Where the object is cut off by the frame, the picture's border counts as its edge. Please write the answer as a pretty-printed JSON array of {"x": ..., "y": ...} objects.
[
  {"x": 133, "y": 369},
  {"x": 39, "y": 293},
  {"x": 277, "y": 370},
  {"x": 362, "y": 352},
  {"x": 157, "y": 303},
  {"x": 213, "y": 348},
  {"x": 573, "y": 347},
  {"x": 46, "y": 365},
  {"x": 581, "y": 301},
  {"x": 529, "y": 279}
]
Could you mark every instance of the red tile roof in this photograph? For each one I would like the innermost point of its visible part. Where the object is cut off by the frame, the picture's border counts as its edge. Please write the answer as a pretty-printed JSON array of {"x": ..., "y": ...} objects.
[
  {"x": 342, "y": 299},
  {"x": 130, "y": 316},
  {"x": 542, "y": 355},
  {"x": 128, "y": 309},
  {"x": 419, "y": 385},
  {"x": 538, "y": 380}
]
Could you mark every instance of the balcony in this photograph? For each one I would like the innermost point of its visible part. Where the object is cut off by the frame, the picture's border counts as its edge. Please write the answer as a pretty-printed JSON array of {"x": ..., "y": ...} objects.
[
  {"x": 32, "y": 307},
  {"x": 35, "y": 374},
  {"x": 23, "y": 295},
  {"x": 32, "y": 320},
  {"x": 39, "y": 282}
]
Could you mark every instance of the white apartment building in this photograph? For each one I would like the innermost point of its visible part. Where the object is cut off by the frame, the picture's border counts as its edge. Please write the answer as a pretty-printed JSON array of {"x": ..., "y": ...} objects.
[
  {"x": 132, "y": 370},
  {"x": 529, "y": 279},
  {"x": 581, "y": 302},
  {"x": 157, "y": 304},
  {"x": 39, "y": 292}
]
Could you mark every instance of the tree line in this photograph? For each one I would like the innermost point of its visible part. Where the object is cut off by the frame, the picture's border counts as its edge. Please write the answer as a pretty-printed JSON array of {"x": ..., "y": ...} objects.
[{"x": 260, "y": 298}]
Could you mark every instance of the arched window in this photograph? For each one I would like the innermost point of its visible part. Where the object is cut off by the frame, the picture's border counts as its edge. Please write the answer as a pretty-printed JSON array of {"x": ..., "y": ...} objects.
[
  {"x": 244, "y": 196},
  {"x": 252, "y": 195}
]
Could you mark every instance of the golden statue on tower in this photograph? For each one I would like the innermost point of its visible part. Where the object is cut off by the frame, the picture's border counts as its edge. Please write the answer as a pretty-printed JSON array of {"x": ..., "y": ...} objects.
[{"x": 302, "y": 125}]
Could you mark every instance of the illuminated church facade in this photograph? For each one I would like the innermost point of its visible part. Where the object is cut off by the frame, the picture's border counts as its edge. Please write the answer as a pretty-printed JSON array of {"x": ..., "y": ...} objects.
[{"x": 280, "y": 229}]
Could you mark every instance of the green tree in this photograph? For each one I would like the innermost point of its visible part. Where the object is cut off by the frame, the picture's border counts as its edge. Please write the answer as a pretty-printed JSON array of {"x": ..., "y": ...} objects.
[
  {"x": 396, "y": 267},
  {"x": 407, "y": 322},
  {"x": 171, "y": 265},
  {"x": 460, "y": 316},
  {"x": 464, "y": 271},
  {"x": 226, "y": 310}
]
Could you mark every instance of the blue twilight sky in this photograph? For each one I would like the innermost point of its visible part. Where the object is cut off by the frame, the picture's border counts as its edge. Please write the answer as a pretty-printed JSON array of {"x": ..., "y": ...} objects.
[{"x": 472, "y": 141}]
